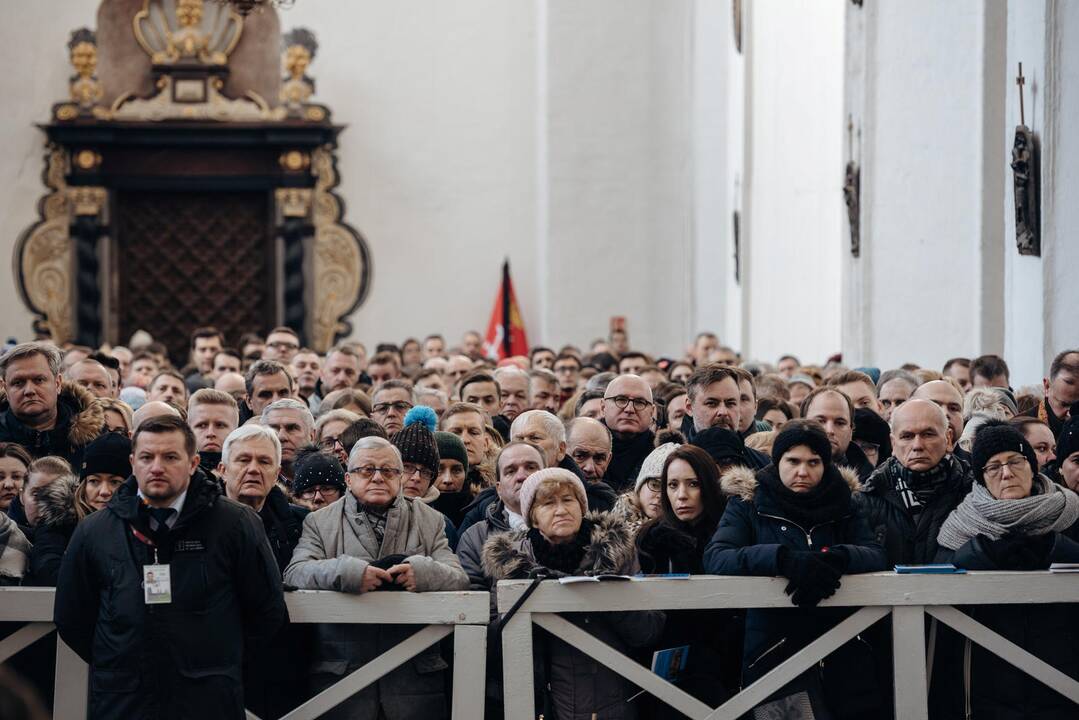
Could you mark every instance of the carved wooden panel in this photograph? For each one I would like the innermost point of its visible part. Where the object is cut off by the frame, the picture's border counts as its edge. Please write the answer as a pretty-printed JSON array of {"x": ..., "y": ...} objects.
[{"x": 187, "y": 259}]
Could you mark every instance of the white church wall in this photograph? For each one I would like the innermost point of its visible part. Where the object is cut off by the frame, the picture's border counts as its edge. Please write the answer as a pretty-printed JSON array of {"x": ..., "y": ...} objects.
[
  {"x": 931, "y": 182},
  {"x": 794, "y": 131},
  {"x": 35, "y": 53}
]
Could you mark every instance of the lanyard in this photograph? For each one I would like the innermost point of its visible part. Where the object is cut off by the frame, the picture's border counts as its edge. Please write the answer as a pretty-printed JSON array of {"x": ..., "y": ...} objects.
[{"x": 145, "y": 541}]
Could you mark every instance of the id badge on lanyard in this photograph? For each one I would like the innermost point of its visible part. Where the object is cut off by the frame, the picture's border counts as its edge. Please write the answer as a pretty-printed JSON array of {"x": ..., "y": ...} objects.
[{"x": 156, "y": 578}]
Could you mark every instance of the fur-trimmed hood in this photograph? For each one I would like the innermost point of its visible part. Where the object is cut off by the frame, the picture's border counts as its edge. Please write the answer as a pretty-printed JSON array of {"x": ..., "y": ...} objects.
[
  {"x": 610, "y": 550},
  {"x": 56, "y": 503},
  {"x": 741, "y": 482},
  {"x": 84, "y": 413}
]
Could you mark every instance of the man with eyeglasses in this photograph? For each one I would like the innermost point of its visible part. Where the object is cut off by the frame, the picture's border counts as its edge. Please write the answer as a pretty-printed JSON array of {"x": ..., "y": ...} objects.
[
  {"x": 376, "y": 538},
  {"x": 295, "y": 427},
  {"x": 628, "y": 412},
  {"x": 281, "y": 344},
  {"x": 390, "y": 403}
]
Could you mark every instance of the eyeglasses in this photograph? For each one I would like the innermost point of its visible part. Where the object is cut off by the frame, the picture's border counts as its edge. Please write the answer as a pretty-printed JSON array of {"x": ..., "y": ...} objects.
[
  {"x": 582, "y": 456},
  {"x": 282, "y": 345},
  {"x": 621, "y": 401},
  {"x": 329, "y": 443},
  {"x": 324, "y": 491},
  {"x": 368, "y": 471},
  {"x": 654, "y": 484},
  {"x": 425, "y": 473},
  {"x": 993, "y": 470},
  {"x": 383, "y": 408}
]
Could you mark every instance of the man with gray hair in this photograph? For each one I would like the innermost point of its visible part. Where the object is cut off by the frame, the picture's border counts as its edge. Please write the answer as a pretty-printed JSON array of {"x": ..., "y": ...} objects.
[
  {"x": 39, "y": 410},
  {"x": 909, "y": 496},
  {"x": 893, "y": 389},
  {"x": 295, "y": 427},
  {"x": 374, "y": 538}
]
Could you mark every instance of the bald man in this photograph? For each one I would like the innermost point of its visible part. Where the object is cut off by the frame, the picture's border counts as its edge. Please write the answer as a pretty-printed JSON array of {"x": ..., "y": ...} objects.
[
  {"x": 950, "y": 400},
  {"x": 154, "y": 408},
  {"x": 589, "y": 443},
  {"x": 628, "y": 412},
  {"x": 233, "y": 384},
  {"x": 910, "y": 495}
]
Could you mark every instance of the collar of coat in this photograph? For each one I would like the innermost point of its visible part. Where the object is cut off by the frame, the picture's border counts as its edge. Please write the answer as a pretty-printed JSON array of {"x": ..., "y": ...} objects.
[
  {"x": 56, "y": 503},
  {"x": 202, "y": 492},
  {"x": 610, "y": 549},
  {"x": 741, "y": 482},
  {"x": 76, "y": 406}
]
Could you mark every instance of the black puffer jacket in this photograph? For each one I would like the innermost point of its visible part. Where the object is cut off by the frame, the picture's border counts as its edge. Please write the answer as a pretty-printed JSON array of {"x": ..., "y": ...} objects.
[
  {"x": 178, "y": 660},
  {"x": 283, "y": 523},
  {"x": 56, "y": 521},
  {"x": 79, "y": 419}
]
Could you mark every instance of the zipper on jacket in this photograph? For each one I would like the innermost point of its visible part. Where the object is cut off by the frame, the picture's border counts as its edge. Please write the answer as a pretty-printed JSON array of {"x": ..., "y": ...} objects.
[
  {"x": 767, "y": 652},
  {"x": 809, "y": 533}
]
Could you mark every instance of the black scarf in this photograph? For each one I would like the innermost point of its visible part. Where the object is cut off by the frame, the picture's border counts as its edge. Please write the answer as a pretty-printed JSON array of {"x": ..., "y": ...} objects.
[
  {"x": 628, "y": 451},
  {"x": 564, "y": 557},
  {"x": 917, "y": 489},
  {"x": 828, "y": 502}
]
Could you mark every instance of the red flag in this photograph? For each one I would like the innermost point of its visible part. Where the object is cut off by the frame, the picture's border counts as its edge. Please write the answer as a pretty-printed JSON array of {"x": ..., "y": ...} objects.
[{"x": 506, "y": 330}]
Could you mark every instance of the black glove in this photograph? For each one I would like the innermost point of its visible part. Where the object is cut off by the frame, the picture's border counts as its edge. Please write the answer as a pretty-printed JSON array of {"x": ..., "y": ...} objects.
[
  {"x": 385, "y": 564},
  {"x": 835, "y": 558},
  {"x": 1020, "y": 552},
  {"x": 812, "y": 577}
]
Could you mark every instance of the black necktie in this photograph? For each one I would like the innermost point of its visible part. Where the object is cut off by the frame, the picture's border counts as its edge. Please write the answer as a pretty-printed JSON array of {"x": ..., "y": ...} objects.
[{"x": 161, "y": 515}]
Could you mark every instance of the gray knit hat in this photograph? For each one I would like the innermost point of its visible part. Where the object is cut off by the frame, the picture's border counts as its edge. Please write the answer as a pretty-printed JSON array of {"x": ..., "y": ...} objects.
[{"x": 652, "y": 467}]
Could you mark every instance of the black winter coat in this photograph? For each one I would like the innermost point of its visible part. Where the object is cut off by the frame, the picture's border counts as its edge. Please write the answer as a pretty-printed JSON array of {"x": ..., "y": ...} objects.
[
  {"x": 56, "y": 523},
  {"x": 995, "y": 689},
  {"x": 283, "y": 523},
  {"x": 905, "y": 540},
  {"x": 748, "y": 542},
  {"x": 755, "y": 459},
  {"x": 183, "y": 659},
  {"x": 627, "y": 455},
  {"x": 79, "y": 419}
]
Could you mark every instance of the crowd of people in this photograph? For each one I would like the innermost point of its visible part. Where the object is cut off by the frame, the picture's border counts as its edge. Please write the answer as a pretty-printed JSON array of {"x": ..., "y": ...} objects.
[{"x": 173, "y": 508}]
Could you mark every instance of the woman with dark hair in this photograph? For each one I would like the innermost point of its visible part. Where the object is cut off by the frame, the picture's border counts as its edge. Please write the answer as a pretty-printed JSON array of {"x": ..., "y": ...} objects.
[
  {"x": 691, "y": 505},
  {"x": 775, "y": 411},
  {"x": 798, "y": 518},
  {"x": 14, "y": 467}
]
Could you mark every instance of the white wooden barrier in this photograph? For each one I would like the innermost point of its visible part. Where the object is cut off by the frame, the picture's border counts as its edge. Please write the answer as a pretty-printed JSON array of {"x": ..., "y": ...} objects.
[
  {"x": 908, "y": 598},
  {"x": 464, "y": 614}
]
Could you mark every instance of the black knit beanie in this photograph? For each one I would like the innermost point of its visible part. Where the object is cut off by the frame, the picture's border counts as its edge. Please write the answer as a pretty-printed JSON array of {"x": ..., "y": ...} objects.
[
  {"x": 108, "y": 454},
  {"x": 722, "y": 444},
  {"x": 314, "y": 466},
  {"x": 451, "y": 447},
  {"x": 802, "y": 432},
  {"x": 416, "y": 442},
  {"x": 997, "y": 436}
]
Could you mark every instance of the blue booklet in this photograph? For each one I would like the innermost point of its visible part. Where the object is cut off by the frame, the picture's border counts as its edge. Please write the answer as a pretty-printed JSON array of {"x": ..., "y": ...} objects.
[
  {"x": 669, "y": 663},
  {"x": 934, "y": 569}
]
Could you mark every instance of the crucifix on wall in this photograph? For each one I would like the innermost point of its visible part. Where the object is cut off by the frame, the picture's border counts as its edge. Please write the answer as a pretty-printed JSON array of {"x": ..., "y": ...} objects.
[{"x": 1025, "y": 178}]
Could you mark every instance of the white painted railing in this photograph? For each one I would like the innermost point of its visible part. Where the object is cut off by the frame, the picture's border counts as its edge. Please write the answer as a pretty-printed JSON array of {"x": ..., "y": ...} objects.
[
  {"x": 464, "y": 614},
  {"x": 908, "y": 598}
]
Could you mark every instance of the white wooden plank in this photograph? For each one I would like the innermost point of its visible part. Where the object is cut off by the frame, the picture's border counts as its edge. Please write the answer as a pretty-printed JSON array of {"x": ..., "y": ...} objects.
[
  {"x": 908, "y": 661},
  {"x": 26, "y": 604},
  {"x": 354, "y": 682},
  {"x": 797, "y": 663},
  {"x": 469, "y": 671},
  {"x": 711, "y": 591},
  {"x": 433, "y": 608},
  {"x": 72, "y": 687},
  {"x": 518, "y": 686},
  {"x": 26, "y": 635},
  {"x": 625, "y": 666},
  {"x": 1008, "y": 651}
]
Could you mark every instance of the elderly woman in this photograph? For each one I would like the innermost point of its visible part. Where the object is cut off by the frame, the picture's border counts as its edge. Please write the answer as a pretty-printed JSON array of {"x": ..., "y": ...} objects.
[
  {"x": 1014, "y": 519},
  {"x": 645, "y": 501},
  {"x": 691, "y": 505},
  {"x": 797, "y": 518},
  {"x": 375, "y": 538},
  {"x": 560, "y": 540}
]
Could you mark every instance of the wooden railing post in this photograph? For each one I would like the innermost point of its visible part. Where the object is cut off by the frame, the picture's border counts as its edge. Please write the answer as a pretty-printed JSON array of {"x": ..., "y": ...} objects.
[
  {"x": 518, "y": 691},
  {"x": 71, "y": 690},
  {"x": 469, "y": 671},
  {"x": 908, "y": 659}
]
